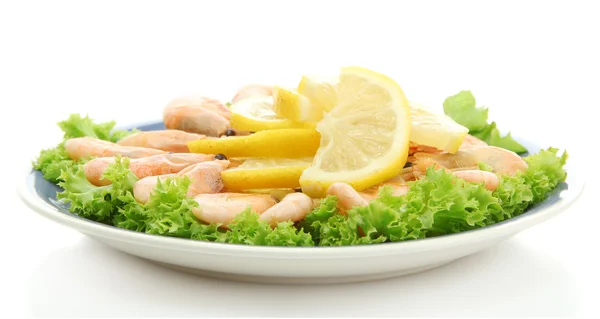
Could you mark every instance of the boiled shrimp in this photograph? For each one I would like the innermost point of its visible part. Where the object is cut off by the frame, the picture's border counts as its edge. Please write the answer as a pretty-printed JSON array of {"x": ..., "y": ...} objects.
[
  {"x": 501, "y": 161},
  {"x": 142, "y": 189},
  {"x": 398, "y": 186},
  {"x": 471, "y": 141},
  {"x": 205, "y": 178},
  {"x": 166, "y": 140},
  {"x": 347, "y": 196},
  {"x": 143, "y": 167},
  {"x": 197, "y": 114},
  {"x": 490, "y": 180},
  {"x": 86, "y": 147},
  {"x": 293, "y": 207},
  {"x": 222, "y": 208},
  {"x": 252, "y": 90},
  {"x": 418, "y": 148}
]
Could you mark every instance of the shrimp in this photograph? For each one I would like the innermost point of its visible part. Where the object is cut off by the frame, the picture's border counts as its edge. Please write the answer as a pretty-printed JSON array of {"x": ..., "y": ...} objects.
[
  {"x": 347, "y": 196},
  {"x": 205, "y": 179},
  {"x": 143, "y": 167},
  {"x": 86, "y": 147},
  {"x": 490, "y": 180},
  {"x": 197, "y": 114},
  {"x": 399, "y": 188},
  {"x": 143, "y": 188},
  {"x": 416, "y": 148},
  {"x": 222, "y": 208},
  {"x": 471, "y": 141},
  {"x": 165, "y": 140},
  {"x": 252, "y": 90},
  {"x": 293, "y": 207},
  {"x": 501, "y": 160}
]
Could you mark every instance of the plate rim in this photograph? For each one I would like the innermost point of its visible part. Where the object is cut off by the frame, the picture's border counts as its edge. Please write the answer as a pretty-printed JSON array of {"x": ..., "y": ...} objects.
[{"x": 514, "y": 225}]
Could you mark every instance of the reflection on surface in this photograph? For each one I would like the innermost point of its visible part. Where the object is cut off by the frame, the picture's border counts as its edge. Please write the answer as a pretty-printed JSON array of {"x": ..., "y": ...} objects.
[{"x": 90, "y": 279}]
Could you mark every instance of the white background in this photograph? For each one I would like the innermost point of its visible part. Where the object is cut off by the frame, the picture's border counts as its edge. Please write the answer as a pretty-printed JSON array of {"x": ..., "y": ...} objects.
[{"x": 534, "y": 64}]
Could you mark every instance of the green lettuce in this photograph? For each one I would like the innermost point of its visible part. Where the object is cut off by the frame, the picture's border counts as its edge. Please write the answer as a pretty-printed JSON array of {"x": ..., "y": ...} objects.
[
  {"x": 514, "y": 196},
  {"x": 77, "y": 126},
  {"x": 51, "y": 162},
  {"x": 463, "y": 109},
  {"x": 247, "y": 229},
  {"x": 98, "y": 203},
  {"x": 328, "y": 227},
  {"x": 438, "y": 204},
  {"x": 545, "y": 170}
]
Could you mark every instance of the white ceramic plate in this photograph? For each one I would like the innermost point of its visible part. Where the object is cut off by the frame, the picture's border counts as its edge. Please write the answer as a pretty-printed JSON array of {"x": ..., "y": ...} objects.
[{"x": 300, "y": 264}]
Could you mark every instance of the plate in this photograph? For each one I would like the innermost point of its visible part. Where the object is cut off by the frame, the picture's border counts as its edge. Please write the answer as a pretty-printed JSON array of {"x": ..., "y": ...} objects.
[{"x": 300, "y": 265}]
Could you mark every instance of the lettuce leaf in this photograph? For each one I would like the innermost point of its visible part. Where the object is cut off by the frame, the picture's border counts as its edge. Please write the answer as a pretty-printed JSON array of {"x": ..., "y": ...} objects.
[
  {"x": 77, "y": 126},
  {"x": 384, "y": 219},
  {"x": 462, "y": 108},
  {"x": 247, "y": 229},
  {"x": 545, "y": 170},
  {"x": 438, "y": 204},
  {"x": 286, "y": 234},
  {"x": 98, "y": 203},
  {"x": 491, "y": 135},
  {"x": 329, "y": 228},
  {"x": 51, "y": 162},
  {"x": 514, "y": 196}
]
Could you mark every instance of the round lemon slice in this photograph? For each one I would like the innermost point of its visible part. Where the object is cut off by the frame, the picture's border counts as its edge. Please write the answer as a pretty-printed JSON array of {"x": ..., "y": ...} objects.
[
  {"x": 364, "y": 138},
  {"x": 257, "y": 114},
  {"x": 265, "y": 173},
  {"x": 434, "y": 129}
]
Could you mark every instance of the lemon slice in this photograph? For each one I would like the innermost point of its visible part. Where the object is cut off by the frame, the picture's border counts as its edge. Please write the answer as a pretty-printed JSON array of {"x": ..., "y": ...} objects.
[
  {"x": 262, "y": 173},
  {"x": 364, "y": 138},
  {"x": 287, "y": 143},
  {"x": 435, "y": 129},
  {"x": 289, "y": 104},
  {"x": 320, "y": 90},
  {"x": 257, "y": 114}
]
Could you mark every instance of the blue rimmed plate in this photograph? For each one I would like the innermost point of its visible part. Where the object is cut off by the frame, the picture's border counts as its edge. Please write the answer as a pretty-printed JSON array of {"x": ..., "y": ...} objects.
[{"x": 299, "y": 264}]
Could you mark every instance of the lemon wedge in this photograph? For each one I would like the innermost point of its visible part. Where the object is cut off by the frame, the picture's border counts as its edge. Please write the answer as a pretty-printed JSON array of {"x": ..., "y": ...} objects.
[
  {"x": 320, "y": 90},
  {"x": 257, "y": 114},
  {"x": 264, "y": 173},
  {"x": 364, "y": 138},
  {"x": 286, "y": 143},
  {"x": 435, "y": 129},
  {"x": 289, "y": 104}
]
